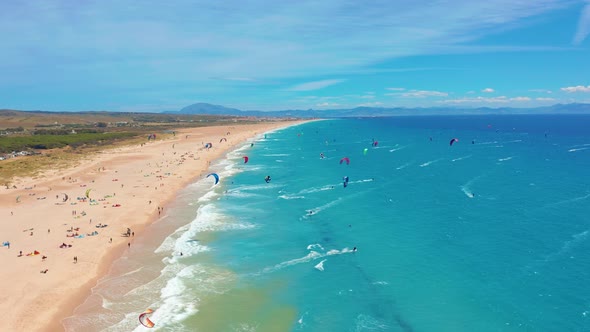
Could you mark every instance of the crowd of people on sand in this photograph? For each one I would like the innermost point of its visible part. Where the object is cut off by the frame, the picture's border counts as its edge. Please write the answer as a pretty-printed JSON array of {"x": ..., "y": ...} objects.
[
  {"x": 76, "y": 232},
  {"x": 73, "y": 232}
]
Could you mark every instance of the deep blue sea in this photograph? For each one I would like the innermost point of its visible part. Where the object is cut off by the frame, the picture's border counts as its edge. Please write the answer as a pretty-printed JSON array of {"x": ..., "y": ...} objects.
[{"x": 489, "y": 234}]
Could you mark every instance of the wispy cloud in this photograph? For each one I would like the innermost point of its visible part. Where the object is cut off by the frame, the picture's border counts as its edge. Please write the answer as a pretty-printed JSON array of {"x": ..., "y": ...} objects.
[
  {"x": 99, "y": 48},
  {"x": 315, "y": 85},
  {"x": 583, "y": 25},
  {"x": 544, "y": 99},
  {"x": 299, "y": 41},
  {"x": 520, "y": 99},
  {"x": 486, "y": 100},
  {"x": 327, "y": 104},
  {"x": 395, "y": 89},
  {"x": 541, "y": 91},
  {"x": 371, "y": 104},
  {"x": 238, "y": 79},
  {"x": 419, "y": 94},
  {"x": 488, "y": 90},
  {"x": 578, "y": 88}
]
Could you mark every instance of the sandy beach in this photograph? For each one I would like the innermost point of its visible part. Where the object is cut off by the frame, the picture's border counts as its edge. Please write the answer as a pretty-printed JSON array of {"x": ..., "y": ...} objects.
[{"x": 67, "y": 226}]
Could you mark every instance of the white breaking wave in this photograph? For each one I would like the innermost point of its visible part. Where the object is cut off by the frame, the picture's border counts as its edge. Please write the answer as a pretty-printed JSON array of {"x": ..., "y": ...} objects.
[
  {"x": 579, "y": 145},
  {"x": 315, "y": 246},
  {"x": 461, "y": 158},
  {"x": 428, "y": 163},
  {"x": 466, "y": 188},
  {"x": 313, "y": 255},
  {"x": 321, "y": 208},
  {"x": 207, "y": 219},
  {"x": 403, "y": 166},
  {"x": 287, "y": 197},
  {"x": 505, "y": 159},
  {"x": 578, "y": 149},
  {"x": 397, "y": 149},
  {"x": 320, "y": 265},
  {"x": 467, "y": 192},
  {"x": 362, "y": 181},
  {"x": 315, "y": 189}
]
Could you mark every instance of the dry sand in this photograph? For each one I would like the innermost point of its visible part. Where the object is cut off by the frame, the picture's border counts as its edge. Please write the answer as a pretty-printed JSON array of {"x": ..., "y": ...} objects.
[{"x": 128, "y": 186}]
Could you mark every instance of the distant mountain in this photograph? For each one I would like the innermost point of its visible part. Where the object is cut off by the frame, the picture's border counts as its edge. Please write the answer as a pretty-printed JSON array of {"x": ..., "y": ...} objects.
[{"x": 204, "y": 108}]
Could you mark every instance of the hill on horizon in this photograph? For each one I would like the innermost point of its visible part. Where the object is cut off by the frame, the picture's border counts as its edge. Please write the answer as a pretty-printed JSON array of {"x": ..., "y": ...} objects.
[{"x": 210, "y": 109}]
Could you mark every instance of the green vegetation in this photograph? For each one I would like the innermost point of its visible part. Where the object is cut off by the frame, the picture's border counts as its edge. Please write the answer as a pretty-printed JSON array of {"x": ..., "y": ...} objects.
[
  {"x": 65, "y": 138},
  {"x": 20, "y": 143}
]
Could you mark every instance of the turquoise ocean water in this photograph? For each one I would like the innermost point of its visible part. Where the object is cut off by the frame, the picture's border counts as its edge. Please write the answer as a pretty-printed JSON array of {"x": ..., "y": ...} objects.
[{"x": 489, "y": 234}]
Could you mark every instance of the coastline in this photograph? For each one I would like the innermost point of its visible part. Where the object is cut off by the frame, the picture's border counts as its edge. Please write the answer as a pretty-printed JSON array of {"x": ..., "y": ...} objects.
[{"x": 127, "y": 188}]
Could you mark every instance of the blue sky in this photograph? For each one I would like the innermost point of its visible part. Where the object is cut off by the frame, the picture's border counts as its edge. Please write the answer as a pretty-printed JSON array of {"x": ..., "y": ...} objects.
[{"x": 121, "y": 55}]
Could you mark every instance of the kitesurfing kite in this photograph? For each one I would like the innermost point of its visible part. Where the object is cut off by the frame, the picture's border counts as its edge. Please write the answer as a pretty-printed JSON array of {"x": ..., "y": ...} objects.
[
  {"x": 215, "y": 176},
  {"x": 345, "y": 159},
  {"x": 223, "y": 139},
  {"x": 66, "y": 197},
  {"x": 453, "y": 141},
  {"x": 246, "y": 159},
  {"x": 365, "y": 151},
  {"x": 375, "y": 143},
  {"x": 208, "y": 145},
  {"x": 88, "y": 193},
  {"x": 144, "y": 320},
  {"x": 18, "y": 199}
]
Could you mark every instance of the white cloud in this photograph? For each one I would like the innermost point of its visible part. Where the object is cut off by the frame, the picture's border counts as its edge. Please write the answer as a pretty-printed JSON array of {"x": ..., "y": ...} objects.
[
  {"x": 367, "y": 96},
  {"x": 544, "y": 99},
  {"x": 541, "y": 91},
  {"x": 395, "y": 89},
  {"x": 583, "y": 25},
  {"x": 327, "y": 104},
  {"x": 520, "y": 99},
  {"x": 93, "y": 45},
  {"x": 487, "y": 100},
  {"x": 316, "y": 85},
  {"x": 487, "y": 90},
  {"x": 423, "y": 94},
  {"x": 578, "y": 88},
  {"x": 372, "y": 104},
  {"x": 477, "y": 100}
]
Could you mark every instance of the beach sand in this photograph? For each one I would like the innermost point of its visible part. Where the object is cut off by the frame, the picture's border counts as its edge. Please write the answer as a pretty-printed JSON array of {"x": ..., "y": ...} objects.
[{"x": 128, "y": 186}]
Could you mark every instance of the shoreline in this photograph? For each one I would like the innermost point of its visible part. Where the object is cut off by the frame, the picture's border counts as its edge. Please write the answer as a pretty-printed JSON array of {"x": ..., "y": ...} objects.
[{"x": 50, "y": 297}]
